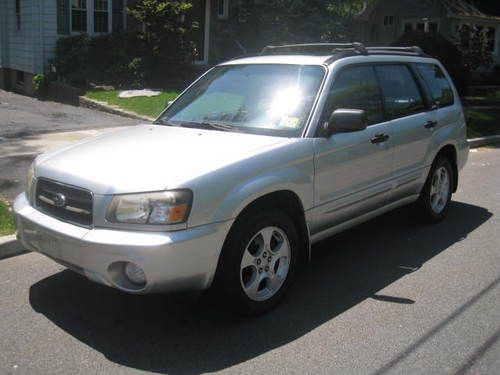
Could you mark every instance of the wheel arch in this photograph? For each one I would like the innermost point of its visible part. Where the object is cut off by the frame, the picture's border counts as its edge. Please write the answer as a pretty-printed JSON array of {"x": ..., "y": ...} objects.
[
  {"x": 450, "y": 152},
  {"x": 289, "y": 202}
]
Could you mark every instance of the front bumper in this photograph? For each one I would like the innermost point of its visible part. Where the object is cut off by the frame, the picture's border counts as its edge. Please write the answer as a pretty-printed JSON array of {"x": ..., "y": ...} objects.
[{"x": 172, "y": 261}]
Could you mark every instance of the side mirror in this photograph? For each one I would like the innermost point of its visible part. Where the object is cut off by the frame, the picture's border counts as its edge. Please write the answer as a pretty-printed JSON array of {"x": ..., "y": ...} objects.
[{"x": 345, "y": 121}]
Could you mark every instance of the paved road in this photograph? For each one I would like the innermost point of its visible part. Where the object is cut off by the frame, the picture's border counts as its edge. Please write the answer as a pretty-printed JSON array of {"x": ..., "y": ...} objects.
[
  {"x": 16, "y": 154},
  {"x": 24, "y": 124},
  {"x": 390, "y": 296},
  {"x": 22, "y": 116}
]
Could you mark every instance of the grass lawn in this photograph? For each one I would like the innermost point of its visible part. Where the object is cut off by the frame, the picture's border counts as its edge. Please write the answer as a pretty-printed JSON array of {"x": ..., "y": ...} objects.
[
  {"x": 6, "y": 220},
  {"x": 141, "y": 105},
  {"x": 482, "y": 122},
  {"x": 488, "y": 99}
]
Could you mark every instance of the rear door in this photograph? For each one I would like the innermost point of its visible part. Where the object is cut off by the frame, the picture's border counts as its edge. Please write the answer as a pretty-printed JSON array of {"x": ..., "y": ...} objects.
[
  {"x": 411, "y": 125},
  {"x": 352, "y": 170}
]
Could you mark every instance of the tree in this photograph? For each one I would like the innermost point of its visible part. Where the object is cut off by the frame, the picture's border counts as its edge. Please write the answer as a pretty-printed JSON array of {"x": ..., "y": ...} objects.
[
  {"x": 474, "y": 45},
  {"x": 293, "y": 21},
  {"x": 164, "y": 32}
]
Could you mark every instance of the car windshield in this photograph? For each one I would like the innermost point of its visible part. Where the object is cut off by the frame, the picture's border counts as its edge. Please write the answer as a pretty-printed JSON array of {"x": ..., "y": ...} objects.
[{"x": 269, "y": 99}]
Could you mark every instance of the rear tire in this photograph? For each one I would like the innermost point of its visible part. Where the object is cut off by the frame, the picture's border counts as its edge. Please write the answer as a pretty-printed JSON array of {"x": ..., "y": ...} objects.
[
  {"x": 435, "y": 197},
  {"x": 258, "y": 261}
]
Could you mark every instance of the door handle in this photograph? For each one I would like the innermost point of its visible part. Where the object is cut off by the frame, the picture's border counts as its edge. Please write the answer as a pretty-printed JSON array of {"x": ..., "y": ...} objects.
[
  {"x": 379, "y": 138},
  {"x": 430, "y": 124}
]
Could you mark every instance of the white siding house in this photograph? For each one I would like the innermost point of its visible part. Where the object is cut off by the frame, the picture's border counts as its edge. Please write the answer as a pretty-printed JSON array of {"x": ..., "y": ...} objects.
[
  {"x": 29, "y": 30},
  {"x": 384, "y": 21}
]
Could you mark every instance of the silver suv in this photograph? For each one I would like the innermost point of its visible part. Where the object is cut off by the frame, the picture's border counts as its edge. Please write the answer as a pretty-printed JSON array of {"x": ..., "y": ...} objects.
[{"x": 257, "y": 160}]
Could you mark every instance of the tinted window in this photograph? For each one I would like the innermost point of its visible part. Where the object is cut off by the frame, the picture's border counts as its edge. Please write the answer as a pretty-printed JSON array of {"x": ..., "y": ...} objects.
[
  {"x": 401, "y": 94},
  {"x": 356, "y": 88},
  {"x": 440, "y": 88}
]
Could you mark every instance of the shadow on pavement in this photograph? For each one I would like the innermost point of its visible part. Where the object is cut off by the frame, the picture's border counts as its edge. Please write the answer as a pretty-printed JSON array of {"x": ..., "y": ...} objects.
[{"x": 180, "y": 334}]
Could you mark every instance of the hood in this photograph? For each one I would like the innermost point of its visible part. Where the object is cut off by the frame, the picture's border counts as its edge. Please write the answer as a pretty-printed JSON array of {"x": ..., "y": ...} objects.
[{"x": 147, "y": 158}]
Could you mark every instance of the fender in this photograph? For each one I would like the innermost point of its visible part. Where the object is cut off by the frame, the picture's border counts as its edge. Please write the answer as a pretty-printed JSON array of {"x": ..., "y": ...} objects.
[{"x": 297, "y": 179}]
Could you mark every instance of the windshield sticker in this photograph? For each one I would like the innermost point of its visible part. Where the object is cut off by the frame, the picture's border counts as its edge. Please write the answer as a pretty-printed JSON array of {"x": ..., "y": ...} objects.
[{"x": 290, "y": 122}]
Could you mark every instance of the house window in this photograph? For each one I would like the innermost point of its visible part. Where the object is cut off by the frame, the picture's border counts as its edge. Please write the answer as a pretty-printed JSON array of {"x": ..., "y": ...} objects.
[
  {"x": 20, "y": 78},
  {"x": 465, "y": 32},
  {"x": 422, "y": 25},
  {"x": 490, "y": 38},
  {"x": 432, "y": 27},
  {"x": 79, "y": 15},
  {"x": 223, "y": 9},
  {"x": 18, "y": 14},
  {"x": 101, "y": 15},
  {"x": 388, "y": 20}
]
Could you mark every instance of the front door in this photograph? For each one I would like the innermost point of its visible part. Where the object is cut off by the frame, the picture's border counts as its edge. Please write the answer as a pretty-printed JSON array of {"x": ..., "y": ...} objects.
[{"x": 352, "y": 170}]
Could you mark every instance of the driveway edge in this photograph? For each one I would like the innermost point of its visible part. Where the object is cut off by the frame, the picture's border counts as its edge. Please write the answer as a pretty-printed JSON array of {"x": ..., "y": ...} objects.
[
  {"x": 484, "y": 141},
  {"x": 105, "y": 107},
  {"x": 9, "y": 247}
]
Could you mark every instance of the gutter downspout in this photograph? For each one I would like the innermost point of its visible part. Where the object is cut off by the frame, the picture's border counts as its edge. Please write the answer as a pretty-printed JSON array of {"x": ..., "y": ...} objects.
[{"x": 40, "y": 35}]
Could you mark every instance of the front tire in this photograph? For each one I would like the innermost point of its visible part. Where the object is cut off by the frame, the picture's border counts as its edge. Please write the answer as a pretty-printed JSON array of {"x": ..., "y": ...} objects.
[
  {"x": 258, "y": 261},
  {"x": 435, "y": 197}
]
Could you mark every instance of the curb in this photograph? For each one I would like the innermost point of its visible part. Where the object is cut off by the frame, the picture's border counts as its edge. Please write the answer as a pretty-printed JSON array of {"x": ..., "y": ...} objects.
[
  {"x": 9, "y": 247},
  {"x": 484, "y": 141},
  {"x": 114, "y": 110}
]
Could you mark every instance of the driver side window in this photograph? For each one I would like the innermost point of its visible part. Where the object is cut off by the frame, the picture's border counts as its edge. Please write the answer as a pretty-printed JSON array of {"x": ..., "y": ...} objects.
[{"x": 355, "y": 88}]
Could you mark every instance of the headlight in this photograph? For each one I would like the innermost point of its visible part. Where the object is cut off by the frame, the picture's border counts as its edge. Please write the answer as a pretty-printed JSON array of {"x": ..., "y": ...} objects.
[
  {"x": 165, "y": 207},
  {"x": 30, "y": 183}
]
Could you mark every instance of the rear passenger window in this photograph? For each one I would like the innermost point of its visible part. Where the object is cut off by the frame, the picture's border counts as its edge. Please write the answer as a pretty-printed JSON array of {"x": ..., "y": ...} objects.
[
  {"x": 401, "y": 94},
  {"x": 356, "y": 88},
  {"x": 438, "y": 85}
]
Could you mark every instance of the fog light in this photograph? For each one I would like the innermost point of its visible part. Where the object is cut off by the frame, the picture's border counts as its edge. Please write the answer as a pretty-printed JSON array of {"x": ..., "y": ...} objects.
[{"x": 135, "y": 274}]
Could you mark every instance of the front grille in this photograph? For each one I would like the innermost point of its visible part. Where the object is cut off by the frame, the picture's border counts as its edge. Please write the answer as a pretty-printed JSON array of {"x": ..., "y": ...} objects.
[{"x": 64, "y": 202}]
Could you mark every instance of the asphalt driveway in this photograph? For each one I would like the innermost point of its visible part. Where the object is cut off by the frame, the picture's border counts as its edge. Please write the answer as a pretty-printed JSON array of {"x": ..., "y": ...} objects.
[
  {"x": 25, "y": 127},
  {"x": 390, "y": 296},
  {"x": 22, "y": 116}
]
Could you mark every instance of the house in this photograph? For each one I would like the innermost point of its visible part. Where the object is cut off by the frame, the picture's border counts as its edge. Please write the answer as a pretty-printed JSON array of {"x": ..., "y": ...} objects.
[
  {"x": 383, "y": 21},
  {"x": 29, "y": 30}
]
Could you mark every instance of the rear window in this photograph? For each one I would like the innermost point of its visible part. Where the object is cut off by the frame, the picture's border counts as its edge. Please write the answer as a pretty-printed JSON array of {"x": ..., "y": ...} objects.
[
  {"x": 401, "y": 94},
  {"x": 437, "y": 83}
]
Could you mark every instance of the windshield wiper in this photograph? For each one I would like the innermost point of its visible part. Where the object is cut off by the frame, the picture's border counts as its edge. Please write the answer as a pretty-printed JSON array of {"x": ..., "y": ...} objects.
[
  {"x": 199, "y": 125},
  {"x": 208, "y": 125},
  {"x": 162, "y": 121}
]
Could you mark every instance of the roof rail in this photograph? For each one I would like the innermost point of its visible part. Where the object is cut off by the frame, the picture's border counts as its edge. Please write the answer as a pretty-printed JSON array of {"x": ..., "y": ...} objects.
[
  {"x": 329, "y": 48},
  {"x": 413, "y": 50}
]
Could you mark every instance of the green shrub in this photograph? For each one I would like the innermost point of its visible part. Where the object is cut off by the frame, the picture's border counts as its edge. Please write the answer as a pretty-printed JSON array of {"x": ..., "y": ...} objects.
[
  {"x": 39, "y": 82},
  {"x": 153, "y": 55}
]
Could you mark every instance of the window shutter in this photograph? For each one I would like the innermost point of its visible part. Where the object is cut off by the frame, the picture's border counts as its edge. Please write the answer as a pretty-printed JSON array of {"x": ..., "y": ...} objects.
[
  {"x": 117, "y": 16},
  {"x": 63, "y": 16}
]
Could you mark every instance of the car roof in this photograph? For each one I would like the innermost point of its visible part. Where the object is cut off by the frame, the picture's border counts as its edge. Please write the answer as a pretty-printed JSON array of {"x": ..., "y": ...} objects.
[
  {"x": 279, "y": 59},
  {"x": 300, "y": 54},
  {"x": 323, "y": 60}
]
